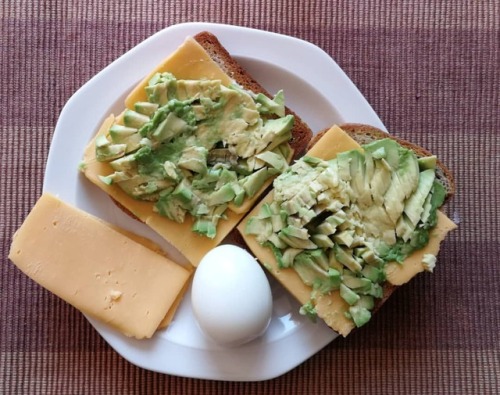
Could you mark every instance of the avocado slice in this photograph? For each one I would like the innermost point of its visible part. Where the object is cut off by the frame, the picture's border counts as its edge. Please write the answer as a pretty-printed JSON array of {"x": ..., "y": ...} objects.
[
  {"x": 348, "y": 295},
  {"x": 106, "y": 151},
  {"x": 414, "y": 206},
  {"x": 277, "y": 131},
  {"x": 389, "y": 148},
  {"x": 427, "y": 162},
  {"x": 169, "y": 128},
  {"x": 146, "y": 108},
  {"x": 134, "y": 119}
]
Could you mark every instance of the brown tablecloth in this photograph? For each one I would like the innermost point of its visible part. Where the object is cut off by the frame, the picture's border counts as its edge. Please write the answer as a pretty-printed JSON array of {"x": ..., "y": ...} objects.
[{"x": 430, "y": 69}]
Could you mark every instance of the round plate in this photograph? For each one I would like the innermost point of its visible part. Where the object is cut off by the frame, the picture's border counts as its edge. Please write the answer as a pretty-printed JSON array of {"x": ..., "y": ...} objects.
[{"x": 315, "y": 88}]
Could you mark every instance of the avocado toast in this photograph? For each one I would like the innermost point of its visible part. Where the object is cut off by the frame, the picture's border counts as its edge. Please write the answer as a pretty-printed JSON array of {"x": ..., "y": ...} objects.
[
  {"x": 351, "y": 220},
  {"x": 199, "y": 141}
]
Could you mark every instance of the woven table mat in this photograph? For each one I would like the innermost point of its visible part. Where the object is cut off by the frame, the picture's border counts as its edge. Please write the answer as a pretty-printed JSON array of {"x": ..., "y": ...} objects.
[{"x": 430, "y": 69}]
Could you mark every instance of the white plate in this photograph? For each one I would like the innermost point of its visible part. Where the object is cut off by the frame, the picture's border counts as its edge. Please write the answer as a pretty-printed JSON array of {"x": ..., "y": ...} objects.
[{"x": 315, "y": 87}]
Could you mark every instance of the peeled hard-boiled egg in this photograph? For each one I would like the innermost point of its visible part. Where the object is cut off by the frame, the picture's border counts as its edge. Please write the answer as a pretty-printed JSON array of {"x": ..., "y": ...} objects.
[{"x": 231, "y": 296}]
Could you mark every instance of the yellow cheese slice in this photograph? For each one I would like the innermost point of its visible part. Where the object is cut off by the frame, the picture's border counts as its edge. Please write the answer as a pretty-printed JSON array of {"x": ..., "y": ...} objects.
[
  {"x": 398, "y": 274},
  {"x": 189, "y": 61},
  {"x": 100, "y": 271},
  {"x": 331, "y": 308}
]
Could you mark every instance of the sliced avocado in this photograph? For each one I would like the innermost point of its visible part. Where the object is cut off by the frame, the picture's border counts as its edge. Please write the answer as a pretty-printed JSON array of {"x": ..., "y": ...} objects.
[
  {"x": 390, "y": 148},
  {"x": 261, "y": 228},
  {"x": 404, "y": 228},
  {"x": 309, "y": 310},
  {"x": 169, "y": 128},
  {"x": 184, "y": 194},
  {"x": 267, "y": 105},
  {"x": 314, "y": 275},
  {"x": 277, "y": 242},
  {"x": 296, "y": 242},
  {"x": 394, "y": 199},
  {"x": 322, "y": 240},
  {"x": 146, "y": 108},
  {"x": 277, "y": 131},
  {"x": 359, "y": 315},
  {"x": 205, "y": 227},
  {"x": 161, "y": 88},
  {"x": 125, "y": 163},
  {"x": 346, "y": 258},
  {"x": 223, "y": 195},
  {"x": 106, "y": 151},
  {"x": 414, "y": 206},
  {"x": 373, "y": 274},
  {"x": 408, "y": 172},
  {"x": 319, "y": 256},
  {"x": 278, "y": 221},
  {"x": 345, "y": 237},
  {"x": 333, "y": 262},
  {"x": 358, "y": 284},
  {"x": 366, "y": 301},
  {"x": 196, "y": 89},
  {"x": 427, "y": 162},
  {"x": 434, "y": 200},
  {"x": 359, "y": 184},
  {"x": 194, "y": 158},
  {"x": 119, "y": 133},
  {"x": 134, "y": 119},
  {"x": 252, "y": 183},
  {"x": 348, "y": 295},
  {"x": 275, "y": 160},
  {"x": 380, "y": 181},
  {"x": 239, "y": 194},
  {"x": 293, "y": 231},
  {"x": 344, "y": 165},
  {"x": 289, "y": 256}
]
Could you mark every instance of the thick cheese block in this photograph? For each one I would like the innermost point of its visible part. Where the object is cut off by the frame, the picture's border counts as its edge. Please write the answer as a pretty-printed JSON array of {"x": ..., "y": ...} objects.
[
  {"x": 190, "y": 61},
  {"x": 97, "y": 269},
  {"x": 331, "y": 307}
]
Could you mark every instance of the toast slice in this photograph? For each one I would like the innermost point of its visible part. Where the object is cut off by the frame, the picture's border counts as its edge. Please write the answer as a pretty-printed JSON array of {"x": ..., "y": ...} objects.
[
  {"x": 200, "y": 57},
  {"x": 331, "y": 307}
]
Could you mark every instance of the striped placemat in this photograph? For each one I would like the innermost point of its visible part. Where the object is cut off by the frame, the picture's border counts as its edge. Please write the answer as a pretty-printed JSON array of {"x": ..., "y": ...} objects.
[{"x": 430, "y": 69}]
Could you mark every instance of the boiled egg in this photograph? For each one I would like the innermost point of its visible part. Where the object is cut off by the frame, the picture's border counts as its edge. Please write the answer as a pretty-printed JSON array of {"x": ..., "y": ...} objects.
[{"x": 231, "y": 296}]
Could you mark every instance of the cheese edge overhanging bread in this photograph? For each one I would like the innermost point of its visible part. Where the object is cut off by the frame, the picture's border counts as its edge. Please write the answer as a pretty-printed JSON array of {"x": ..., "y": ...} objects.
[
  {"x": 331, "y": 307},
  {"x": 220, "y": 64}
]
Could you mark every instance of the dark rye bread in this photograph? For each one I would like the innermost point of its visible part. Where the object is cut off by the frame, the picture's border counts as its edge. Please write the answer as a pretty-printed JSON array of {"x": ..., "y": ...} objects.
[
  {"x": 364, "y": 134},
  {"x": 301, "y": 134}
]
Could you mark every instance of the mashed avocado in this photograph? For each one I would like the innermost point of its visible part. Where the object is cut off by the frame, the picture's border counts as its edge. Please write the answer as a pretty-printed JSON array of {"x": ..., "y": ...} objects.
[
  {"x": 337, "y": 223},
  {"x": 197, "y": 147}
]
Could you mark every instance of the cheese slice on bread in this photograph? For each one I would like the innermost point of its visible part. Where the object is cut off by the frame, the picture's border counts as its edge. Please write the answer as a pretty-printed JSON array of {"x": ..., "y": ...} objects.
[{"x": 199, "y": 58}]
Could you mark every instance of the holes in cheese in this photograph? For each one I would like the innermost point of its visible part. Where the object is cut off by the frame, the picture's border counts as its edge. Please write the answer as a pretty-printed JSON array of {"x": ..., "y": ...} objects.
[{"x": 97, "y": 269}]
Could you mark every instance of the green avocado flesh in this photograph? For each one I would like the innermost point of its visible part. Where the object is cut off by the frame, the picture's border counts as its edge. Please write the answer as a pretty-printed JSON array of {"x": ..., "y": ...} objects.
[
  {"x": 338, "y": 222},
  {"x": 195, "y": 147}
]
